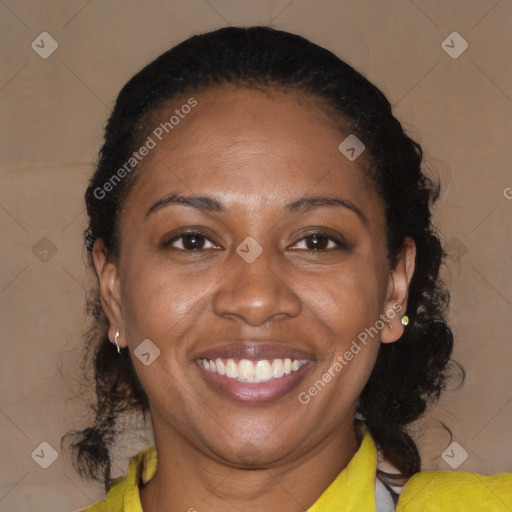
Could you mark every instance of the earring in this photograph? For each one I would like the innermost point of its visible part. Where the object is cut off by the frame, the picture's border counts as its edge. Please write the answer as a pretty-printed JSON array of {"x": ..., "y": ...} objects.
[
  {"x": 405, "y": 320},
  {"x": 116, "y": 337}
]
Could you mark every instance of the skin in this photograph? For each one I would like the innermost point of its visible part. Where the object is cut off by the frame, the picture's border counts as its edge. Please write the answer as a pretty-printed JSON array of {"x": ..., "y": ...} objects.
[{"x": 255, "y": 152}]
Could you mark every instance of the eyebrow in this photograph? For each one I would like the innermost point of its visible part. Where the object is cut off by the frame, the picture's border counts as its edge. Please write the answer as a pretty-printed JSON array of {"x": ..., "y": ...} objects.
[
  {"x": 306, "y": 204},
  {"x": 210, "y": 204},
  {"x": 202, "y": 203}
]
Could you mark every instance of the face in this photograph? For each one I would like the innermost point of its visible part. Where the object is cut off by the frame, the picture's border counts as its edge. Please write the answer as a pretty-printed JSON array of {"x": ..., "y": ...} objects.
[{"x": 253, "y": 257}]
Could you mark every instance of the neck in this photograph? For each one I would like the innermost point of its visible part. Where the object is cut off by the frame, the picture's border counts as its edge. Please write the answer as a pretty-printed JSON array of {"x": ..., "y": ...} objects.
[{"x": 189, "y": 480}]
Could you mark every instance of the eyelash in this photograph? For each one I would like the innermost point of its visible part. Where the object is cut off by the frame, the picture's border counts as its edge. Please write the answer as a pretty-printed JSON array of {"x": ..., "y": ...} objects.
[
  {"x": 168, "y": 243},
  {"x": 320, "y": 234}
]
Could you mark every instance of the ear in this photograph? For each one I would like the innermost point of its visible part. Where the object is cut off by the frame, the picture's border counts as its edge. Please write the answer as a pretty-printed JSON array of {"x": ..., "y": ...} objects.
[
  {"x": 398, "y": 289},
  {"x": 110, "y": 289}
]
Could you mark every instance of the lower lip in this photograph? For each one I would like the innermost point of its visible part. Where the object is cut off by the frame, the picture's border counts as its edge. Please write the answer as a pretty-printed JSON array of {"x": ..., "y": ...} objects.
[{"x": 255, "y": 392}]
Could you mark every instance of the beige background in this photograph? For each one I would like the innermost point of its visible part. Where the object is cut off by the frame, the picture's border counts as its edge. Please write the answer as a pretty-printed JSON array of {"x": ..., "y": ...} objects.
[{"x": 53, "y": 111}]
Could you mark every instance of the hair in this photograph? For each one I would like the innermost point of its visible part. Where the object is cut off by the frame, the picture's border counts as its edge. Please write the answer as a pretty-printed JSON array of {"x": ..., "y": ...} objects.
[{"x": 410, "y": 374}]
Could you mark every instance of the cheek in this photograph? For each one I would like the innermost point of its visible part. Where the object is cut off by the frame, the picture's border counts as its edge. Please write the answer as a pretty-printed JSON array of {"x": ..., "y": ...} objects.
[
  {"x": 161, "y": 301},
  {"x": 162, "y": 304},
  {"x": 347, "y": 307},
  {"x": 347, "y": 301}
]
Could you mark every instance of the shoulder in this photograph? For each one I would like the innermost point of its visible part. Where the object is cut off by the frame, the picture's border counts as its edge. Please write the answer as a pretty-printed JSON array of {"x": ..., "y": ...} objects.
[
  {"x": 456, "y": 492},
  {"x": 123, "y": 496},
  {"x": 114, "y": 501},
  {"x": 101, "y": 506}
]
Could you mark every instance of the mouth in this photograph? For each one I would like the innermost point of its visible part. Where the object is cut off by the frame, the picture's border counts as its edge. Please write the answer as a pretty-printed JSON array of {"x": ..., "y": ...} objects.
[
  {"x": 266, "y": 373},
  {"x": 245, "y": 370}
]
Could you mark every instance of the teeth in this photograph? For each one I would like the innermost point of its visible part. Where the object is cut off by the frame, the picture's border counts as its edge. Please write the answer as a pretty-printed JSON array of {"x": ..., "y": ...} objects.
[
  {"x": 231, "y": 369},
  {"x": 221, "y": 368},
  {"x": 245, "y": 369},
  {"x": 263, "y": 371},
  {"x": 277, "y": 368},
  {"x": 253, "y": 371}
]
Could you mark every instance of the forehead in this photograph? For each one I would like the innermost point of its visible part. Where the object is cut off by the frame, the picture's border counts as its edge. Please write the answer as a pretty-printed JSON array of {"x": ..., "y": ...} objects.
[{"x": 260, "y": 140}]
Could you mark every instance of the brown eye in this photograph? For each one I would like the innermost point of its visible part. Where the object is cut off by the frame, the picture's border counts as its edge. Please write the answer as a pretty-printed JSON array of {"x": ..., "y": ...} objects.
[
  {"x": 191, "y": 241},
  {"x": 318, "y": 242}
]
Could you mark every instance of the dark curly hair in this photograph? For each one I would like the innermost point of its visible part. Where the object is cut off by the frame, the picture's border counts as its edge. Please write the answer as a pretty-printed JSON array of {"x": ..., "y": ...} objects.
[{"x": 409, "y": 374}]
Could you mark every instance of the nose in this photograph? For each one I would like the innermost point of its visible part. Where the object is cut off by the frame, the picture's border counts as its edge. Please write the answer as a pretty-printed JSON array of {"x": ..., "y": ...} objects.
[{"x": 256, "y": 292}]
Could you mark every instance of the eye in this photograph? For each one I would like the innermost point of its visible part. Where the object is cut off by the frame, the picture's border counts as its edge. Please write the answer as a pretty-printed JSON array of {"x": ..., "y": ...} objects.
[
  {"x": 190, "y": 241},
  {"x": 319, "y": 241}
]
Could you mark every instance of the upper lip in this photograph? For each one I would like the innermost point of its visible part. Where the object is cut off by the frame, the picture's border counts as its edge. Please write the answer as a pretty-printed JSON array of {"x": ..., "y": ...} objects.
[{"x": 254, "y": 350}]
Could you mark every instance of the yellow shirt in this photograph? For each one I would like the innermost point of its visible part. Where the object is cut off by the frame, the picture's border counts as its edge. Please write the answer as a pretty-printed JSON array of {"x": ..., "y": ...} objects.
[{"x": 353, "y": 489}]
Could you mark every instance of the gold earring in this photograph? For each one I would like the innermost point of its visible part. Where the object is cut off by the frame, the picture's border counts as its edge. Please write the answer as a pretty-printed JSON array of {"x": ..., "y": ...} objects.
[
  {"x": 116, "y": 337},
  {"x": 405, "y": 320}
]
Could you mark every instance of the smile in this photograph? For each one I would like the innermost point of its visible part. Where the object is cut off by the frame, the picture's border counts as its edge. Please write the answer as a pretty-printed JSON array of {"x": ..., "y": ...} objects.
[
  {"x": 259, "y": 371},
  {"x": 253, "y": 381}
]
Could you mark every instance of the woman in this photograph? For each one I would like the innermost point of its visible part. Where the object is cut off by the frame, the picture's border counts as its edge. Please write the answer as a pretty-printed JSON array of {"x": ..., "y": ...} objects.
[{"x": 269, "y": 275}]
